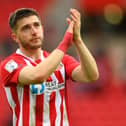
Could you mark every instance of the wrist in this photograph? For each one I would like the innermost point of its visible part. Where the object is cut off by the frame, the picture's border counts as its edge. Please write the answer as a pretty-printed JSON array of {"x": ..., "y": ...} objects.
[
  {"x": 66, "y": 42},
  {"x": 77, "y": 38}
]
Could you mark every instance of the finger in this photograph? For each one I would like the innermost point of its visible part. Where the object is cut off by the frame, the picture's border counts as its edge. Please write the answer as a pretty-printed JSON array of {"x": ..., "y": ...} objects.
[
  {"x": 73, "y": 18},
  {"x": 74, "y": 14},
  {"x": 75, "y": 11},
  {"x": 68, "y": 21},
  {"x": 70, "y": 27}
]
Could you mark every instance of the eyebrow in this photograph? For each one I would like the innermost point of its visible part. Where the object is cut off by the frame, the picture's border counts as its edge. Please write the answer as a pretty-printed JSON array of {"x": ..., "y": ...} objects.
[{"x": 26, "y": 25}]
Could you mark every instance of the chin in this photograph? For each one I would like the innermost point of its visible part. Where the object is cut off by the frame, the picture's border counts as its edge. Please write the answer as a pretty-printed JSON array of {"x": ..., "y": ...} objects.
[{"x": 36, "y": 47}]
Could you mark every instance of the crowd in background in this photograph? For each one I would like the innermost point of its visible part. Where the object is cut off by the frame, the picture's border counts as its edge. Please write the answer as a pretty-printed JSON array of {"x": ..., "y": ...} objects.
[{"x": 102, "y": 103}]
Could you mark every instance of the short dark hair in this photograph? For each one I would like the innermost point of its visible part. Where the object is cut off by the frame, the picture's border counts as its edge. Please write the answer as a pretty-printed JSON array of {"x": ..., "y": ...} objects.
[{"x": 19, "y": 14}]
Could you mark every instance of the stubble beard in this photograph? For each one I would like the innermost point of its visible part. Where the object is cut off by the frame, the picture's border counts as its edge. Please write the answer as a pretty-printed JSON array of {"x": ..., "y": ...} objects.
[{"x": 30, "y": 46}]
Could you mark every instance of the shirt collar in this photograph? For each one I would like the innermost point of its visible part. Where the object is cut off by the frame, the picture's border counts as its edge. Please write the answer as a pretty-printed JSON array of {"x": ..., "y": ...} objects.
[{"x": 18, "y": 51}]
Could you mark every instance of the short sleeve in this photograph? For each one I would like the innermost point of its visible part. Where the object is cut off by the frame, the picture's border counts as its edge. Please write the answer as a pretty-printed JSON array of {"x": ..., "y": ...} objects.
[
  {"x": 9, "y": 72},
  {"x": 70, "y": 64}
]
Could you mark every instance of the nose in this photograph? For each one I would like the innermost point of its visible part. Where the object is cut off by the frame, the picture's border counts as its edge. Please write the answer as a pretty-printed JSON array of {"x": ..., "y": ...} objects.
[{"x": 33, "y": 30}]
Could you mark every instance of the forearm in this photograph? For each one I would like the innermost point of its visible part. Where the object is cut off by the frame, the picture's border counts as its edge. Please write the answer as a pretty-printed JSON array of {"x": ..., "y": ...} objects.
[
  {"x": 42, "y": 71},
  {"x": 87, "y": 62},
  {"x": 49, "y": 65}
]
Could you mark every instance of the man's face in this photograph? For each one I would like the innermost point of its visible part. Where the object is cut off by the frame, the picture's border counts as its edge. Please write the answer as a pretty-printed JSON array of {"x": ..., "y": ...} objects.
[{"x": 29, "y": 33}]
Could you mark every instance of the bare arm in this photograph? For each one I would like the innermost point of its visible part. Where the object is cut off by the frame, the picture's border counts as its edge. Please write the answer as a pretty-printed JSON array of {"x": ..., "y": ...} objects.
[
  {"x": 39, "y": 73},
  {"x": 87, "y": 70}
]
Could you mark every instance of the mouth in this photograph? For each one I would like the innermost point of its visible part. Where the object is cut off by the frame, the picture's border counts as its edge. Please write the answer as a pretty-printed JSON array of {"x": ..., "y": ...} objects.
[{"x": 35, "y": 39}]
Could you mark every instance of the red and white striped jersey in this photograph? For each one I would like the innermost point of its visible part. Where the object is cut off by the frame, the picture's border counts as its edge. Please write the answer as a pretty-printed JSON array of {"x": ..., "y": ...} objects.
[{"x": 36, "y": 105}]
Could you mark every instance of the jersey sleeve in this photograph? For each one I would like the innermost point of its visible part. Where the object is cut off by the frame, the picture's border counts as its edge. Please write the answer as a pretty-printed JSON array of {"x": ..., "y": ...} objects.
[
  {"x": 9, "y": 72},
  {"x": 70, "y": 64}
]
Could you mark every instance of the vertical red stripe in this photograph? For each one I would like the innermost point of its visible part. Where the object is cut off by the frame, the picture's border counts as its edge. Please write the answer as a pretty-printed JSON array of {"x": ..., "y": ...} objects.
[
  {"x": 17, "y": 106},
  {"x": 52, "y": 109},
  {"x": 59, "y": 76},
  {"x": 25, "y": 107},
  {"x": 39, "y": 110},
  {"x": 61, "y": 107},
  {"x": 66, "y": 101}
]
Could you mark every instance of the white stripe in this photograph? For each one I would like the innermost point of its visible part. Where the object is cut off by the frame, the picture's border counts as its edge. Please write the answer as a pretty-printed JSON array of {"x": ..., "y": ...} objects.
[
  {"x": 32, "y": 103},
  {"x": 42, "y": 56},
  {"x": 65, "y": 118},
  {"x": 20, "y": 53},
  {"x": 63, "y": 72},
  {"x": 28, "y": 62},
  {"x": 32, "y": 109},
  {"x": 32, "y": 97},
  {"x": 11, "y": 103},
  {"x": 54, "y": 78},
  {"x": 46, "y": 112},
  {"x": 58, "y": 112},
  {"x": 9, "y": 97},
  {"x": 46, "y": 118},
  {"x": 57, "y": 103},
  {"x": 20, "y": 96}
]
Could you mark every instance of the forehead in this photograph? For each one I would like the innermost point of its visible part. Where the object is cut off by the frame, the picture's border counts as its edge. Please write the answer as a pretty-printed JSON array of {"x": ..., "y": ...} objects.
[{"x": 27, "y": 21}]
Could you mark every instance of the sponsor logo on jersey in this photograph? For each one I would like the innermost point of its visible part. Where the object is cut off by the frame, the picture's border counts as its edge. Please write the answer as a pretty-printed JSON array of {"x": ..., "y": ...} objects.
[
  {"x": 37, "y": 89},
  {"x": 46, "y": 87}
]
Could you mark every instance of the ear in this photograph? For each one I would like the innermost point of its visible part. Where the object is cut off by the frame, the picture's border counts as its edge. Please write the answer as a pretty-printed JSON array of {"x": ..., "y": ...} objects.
[{"x": 14, "y": 37}]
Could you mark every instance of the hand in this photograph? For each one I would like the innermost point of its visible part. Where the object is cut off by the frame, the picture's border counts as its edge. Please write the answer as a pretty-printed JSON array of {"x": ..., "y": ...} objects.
[
  {"x": 69, "y": 34},
  {"x": 76, "y": 18},
  {"x": 68, "y": 38},
  {"x": 70, "y": 27}
]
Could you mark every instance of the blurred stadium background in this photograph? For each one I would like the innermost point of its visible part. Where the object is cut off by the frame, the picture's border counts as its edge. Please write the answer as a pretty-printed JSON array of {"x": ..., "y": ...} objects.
[{"x": 104, "y": 32}]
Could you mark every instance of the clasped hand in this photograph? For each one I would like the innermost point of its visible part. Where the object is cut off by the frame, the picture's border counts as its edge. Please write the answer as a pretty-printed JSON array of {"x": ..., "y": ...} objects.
[{"x": 74, "y": 24}]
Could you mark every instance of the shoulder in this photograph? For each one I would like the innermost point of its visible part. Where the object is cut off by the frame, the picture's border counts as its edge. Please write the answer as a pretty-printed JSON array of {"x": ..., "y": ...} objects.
[
  {"x": 12, "y": 60},
  {"x": 14, "y": 56},
  {"x": 7, "y": 59}
]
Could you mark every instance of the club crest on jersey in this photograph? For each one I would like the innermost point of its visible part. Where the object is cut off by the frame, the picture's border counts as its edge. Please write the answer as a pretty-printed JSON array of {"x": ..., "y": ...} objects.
[
  {"x": 37, "y": 89},
  {"x": 11, "y": 66}
]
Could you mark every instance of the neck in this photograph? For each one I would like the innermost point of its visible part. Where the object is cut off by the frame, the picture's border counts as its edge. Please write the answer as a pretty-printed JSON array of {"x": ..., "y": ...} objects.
[{"x": 33, "y": 53}]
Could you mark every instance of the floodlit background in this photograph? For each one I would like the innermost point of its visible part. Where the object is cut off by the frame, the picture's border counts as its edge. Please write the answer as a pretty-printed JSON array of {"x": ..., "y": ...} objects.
[{"x": 102, "y": 103}]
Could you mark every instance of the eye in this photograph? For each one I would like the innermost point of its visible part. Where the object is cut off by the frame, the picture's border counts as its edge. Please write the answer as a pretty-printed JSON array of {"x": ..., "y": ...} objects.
[
  {"x": 25, "y": 27},
  {"x": 36, "y": 24}
]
